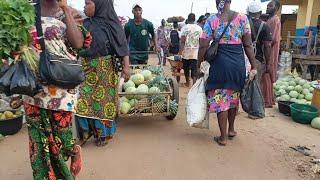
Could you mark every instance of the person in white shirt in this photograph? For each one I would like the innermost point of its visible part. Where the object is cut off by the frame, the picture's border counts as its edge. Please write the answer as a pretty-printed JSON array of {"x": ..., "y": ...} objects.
[{"x": 190, "y": 35}]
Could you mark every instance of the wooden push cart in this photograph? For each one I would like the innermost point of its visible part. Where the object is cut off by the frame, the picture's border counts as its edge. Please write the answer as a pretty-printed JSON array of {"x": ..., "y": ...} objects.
[
  {"x": 154, "y": 104},
  {"x": 176, "y": 65}
]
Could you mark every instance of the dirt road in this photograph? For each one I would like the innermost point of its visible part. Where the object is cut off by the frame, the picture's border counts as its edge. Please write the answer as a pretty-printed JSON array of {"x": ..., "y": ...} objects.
[{"x": 157, "y": 149}]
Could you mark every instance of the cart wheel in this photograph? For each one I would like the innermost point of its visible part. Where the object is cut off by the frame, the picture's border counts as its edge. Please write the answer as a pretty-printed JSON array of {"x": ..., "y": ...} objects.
[
  {"x": 175, "y": 89},
  {"x": 175, "y": 95}
]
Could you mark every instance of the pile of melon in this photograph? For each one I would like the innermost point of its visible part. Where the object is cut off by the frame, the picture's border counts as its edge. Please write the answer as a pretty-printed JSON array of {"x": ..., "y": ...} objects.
[
  {"x": 142, "y": 82},
  {"x": 294, "y": 89}
]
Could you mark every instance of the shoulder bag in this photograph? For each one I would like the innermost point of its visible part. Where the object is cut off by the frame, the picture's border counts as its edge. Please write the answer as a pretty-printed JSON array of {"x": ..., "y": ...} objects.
[
  {"x": 256, "y": 36},
  {"x": 54, "y": 70},
  {"x": 212, "y": 51}
]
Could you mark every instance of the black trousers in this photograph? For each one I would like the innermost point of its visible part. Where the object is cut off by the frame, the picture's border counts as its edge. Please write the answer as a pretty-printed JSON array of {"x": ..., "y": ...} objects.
[{"x": 190, "y": 64}]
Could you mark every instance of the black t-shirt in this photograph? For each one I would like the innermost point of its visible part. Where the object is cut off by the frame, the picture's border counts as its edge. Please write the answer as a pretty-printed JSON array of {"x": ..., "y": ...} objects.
[
  {"x": 265, "y": 35},
  {"x": 174, "y": 36}
]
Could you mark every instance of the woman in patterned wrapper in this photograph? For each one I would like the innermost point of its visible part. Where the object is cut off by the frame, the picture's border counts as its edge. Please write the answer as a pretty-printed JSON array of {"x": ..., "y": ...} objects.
[
  {"x": 97, "y": 107},
  {"x": 228, "y": 71},
  {"x": 50, "y": 112}
]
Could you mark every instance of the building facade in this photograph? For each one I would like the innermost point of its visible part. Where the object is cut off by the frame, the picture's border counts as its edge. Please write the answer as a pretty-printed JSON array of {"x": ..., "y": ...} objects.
[{"x": 308, "y": 15}]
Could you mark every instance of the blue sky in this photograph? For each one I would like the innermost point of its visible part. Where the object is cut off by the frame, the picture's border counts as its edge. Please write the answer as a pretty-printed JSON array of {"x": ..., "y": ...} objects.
[{"x": 155, "y": 10}]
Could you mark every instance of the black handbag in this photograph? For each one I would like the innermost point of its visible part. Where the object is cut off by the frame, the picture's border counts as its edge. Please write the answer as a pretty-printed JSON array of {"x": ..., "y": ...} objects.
[
  {"x": 54, "y": 70},
  {"x": 212, "y": 51}
]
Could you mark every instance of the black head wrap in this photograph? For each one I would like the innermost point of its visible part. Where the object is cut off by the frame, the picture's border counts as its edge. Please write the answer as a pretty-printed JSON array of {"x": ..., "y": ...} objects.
[{"x": 108, "y": 34}]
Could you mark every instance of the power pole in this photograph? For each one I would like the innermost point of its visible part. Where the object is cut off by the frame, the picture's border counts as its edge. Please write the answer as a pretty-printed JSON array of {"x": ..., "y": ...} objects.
[{"x": 191, "y": 7}]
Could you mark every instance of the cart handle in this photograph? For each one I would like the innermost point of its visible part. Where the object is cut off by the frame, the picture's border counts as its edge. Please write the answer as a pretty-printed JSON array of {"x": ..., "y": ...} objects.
[{"x": 142, "y": 52}]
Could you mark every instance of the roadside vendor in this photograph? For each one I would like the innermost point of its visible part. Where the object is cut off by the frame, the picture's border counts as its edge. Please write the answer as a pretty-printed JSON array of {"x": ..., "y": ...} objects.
[
  {"x": 302, "y": 44},
  {"x": 137, "y": 33}
]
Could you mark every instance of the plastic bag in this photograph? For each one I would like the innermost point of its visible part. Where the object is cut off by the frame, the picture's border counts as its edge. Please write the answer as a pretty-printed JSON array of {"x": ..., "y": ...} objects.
[
  {"x": 4, "y": 106},
  {"x": 252, "y": 100},
  {"x": 197, "y": 107},
  {"x": 285, "y": 64},
  {"x": 197, "y": 104},
  {"x": 23, "y": 81},
  {"x": 5, "y": 80}
]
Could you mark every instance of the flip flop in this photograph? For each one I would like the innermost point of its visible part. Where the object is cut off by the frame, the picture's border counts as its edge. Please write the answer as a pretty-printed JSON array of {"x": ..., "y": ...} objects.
[
  {"x": 76, "y": 161},
  {"x": 231, "y": 137},
  {"x": 85, "y": 140},
  {"x": 218, "y": 141},
  {"x": 253, "y": 117},
  {"x": 101, "y": 142}
]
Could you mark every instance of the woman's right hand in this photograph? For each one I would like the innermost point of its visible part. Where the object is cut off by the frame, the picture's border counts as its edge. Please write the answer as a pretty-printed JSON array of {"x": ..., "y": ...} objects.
[
  {"x": 63, "y": 4},
  {"x": 125, "y": 73},
  {"x": 253, "y": 73}
]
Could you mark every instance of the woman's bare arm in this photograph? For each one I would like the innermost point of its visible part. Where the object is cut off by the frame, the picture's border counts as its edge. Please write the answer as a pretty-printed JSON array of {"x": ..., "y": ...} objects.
[
  {"x": 74, "y": 34},
  {"x": 126, "y": 68},
  {"x": 204, "y": 44},
  {"x": 247, "y": 44}
]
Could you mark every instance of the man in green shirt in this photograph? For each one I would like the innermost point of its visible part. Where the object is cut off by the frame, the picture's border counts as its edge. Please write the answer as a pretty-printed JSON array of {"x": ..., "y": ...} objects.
[{"x": 137, "y": 32}]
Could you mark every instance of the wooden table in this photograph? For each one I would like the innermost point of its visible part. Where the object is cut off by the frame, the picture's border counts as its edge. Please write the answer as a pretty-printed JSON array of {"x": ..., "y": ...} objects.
[{"x": 304, "y": 61}]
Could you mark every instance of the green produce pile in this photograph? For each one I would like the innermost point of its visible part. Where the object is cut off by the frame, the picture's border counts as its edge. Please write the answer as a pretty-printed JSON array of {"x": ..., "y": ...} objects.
[
  {"x": 156, "y": 70},
  {"x": 10, "y": 115},
  {"x": 16, "y": 20},
  {"x": 316, "y": 123},
  {"x": 294, "y": 89},
  {"x": 144, "y": 82}
]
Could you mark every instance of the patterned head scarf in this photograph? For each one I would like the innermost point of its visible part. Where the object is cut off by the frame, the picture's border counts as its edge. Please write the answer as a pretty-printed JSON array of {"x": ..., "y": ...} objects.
[{"x": 221, "y": 5}]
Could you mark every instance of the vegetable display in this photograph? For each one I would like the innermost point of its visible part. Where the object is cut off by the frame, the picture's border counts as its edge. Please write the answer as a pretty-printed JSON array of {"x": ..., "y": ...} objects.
[
  {"x": 294, "y": 89},
  {"x": 16, "y": 21},
  {"x": 9, "y": 115},
  {"x": 150, "y": 85}
]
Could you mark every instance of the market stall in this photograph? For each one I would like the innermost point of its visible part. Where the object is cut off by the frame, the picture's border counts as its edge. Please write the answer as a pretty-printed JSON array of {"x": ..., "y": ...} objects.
[
  {"x": 305, "y": 61},
  {"x": 19, "y": 62},
  {"x": 304, "y": 53},
  {"x": 299, "y": 99}
]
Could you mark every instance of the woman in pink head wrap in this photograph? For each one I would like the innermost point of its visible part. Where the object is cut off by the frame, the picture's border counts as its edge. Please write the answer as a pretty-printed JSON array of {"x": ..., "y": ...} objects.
[{"x": 227, "y": 72}]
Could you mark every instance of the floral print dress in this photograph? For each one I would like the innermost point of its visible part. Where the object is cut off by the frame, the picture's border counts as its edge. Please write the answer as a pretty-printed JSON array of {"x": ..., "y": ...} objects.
[
  {"x": 52, "y": 97},
  {"x": 49, "y": 115}
]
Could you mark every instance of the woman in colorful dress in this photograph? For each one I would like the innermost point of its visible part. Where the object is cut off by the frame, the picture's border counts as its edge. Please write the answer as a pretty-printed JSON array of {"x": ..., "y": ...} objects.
[
  {"x": 50, "y": 112},
  {"x": 228, "y": 71},
  {"x": 97, "y": 107}
]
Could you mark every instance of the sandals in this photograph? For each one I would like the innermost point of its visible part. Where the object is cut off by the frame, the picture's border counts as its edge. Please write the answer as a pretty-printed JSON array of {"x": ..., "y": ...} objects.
[
  {"x": 231, "y": 136},
  {"x": 220, "y": 141},
  {"x": 223, "y": 142},
  {"x": 84, "y": 140},
  {"x": 76, "y": 161},
  {"x": 253, "y": 117},
  {"x": 101, "y": 142}
]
